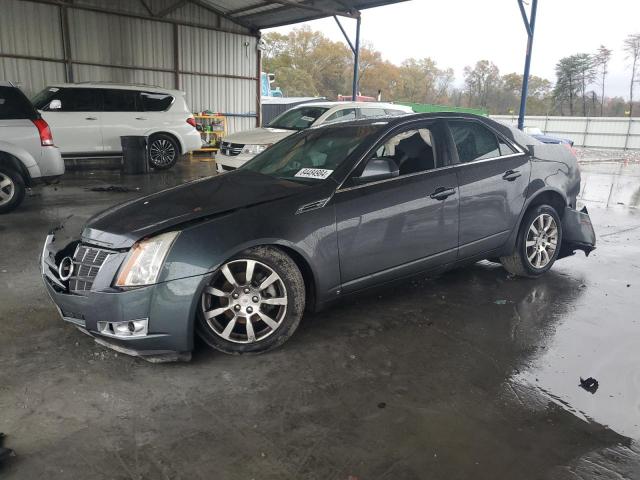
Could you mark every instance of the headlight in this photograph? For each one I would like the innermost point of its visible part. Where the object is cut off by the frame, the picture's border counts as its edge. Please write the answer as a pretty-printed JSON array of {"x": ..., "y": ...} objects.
[
  {"x": 255, "y": 149},
  {"x": 143, "y": 263}
]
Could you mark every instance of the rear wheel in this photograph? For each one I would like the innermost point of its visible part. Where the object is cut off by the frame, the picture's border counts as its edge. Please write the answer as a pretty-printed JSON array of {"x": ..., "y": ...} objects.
[
  {"x": 163, "y": 151},
  {"x": 12, "y": 189},
  {"x": 253, "y": 303},
  {"x": 538, "y": 243}
]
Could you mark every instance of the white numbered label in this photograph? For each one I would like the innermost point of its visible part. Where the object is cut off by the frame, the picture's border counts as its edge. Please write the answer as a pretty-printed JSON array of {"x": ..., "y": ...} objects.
[{"x": 319, "y": 173}]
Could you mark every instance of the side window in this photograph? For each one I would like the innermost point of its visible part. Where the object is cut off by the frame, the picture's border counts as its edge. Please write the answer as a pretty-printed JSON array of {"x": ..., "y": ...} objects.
[
  {"x": 372, "y": 112},
  {"x": 473, "y": 141},
  {"x": 505, "y": 148},
  {"x": 394, "y": 113},
  {"x": 77, "y": 100},
  {"x": 117, "y": 100},
  {"x": 411, "y": 151},
  {"x": 155, "y": 102},
  {"x": 342, "y": 115}
]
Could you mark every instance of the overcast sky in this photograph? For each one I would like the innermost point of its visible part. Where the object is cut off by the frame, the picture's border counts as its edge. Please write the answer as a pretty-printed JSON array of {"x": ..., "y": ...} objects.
[{"x": 456, "y": 33}]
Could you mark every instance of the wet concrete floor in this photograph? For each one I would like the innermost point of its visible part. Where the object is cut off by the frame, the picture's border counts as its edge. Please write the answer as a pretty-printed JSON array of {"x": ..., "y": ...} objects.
[{"x": 470, "y": 375}]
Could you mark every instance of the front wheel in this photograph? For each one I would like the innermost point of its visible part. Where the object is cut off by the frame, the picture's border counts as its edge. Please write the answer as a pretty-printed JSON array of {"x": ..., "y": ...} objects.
[
  {"x": 163, "y": 152},
  {"x": 253, "y": 302},
  {"x": 538, "y": 243},
  {"x": 12, "y": 189}
]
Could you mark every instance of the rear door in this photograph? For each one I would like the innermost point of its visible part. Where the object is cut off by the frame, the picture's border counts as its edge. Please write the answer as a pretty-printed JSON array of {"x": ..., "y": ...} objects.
[
  {"x": 402, "y": 225},
  {"x": 75, "y": 116},
  {"x": 122, "y": 116},
  {"x": 493, "y": 175}
]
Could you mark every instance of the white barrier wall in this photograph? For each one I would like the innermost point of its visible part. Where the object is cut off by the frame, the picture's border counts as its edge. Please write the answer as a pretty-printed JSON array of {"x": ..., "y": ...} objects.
[{"x": 597, "y": 132}]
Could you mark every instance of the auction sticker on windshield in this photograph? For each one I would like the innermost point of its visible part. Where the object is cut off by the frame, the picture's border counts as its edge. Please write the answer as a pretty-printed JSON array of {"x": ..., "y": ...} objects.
[{"x": 319, "y": 173}]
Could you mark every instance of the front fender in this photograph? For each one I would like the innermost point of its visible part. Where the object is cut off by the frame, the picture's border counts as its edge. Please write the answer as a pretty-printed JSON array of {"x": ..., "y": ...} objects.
[{"x": 201, "y": 248}]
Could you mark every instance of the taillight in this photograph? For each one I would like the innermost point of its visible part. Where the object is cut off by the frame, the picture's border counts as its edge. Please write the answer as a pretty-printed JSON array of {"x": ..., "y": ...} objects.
[
  {"x": 46, "y": 139},
  {"x": 191, "y": 121}
]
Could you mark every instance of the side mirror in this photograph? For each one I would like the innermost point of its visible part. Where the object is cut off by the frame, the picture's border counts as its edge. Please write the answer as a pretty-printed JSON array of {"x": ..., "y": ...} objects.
[
  {"x": 378, "y": 169},
  {"x": 532, "y": 150},
  {"x": 55, "y": 104}
]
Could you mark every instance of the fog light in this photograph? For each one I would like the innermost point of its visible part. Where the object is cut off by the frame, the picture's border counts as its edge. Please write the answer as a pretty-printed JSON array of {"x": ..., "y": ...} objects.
[{"x": 130, "y": 328}]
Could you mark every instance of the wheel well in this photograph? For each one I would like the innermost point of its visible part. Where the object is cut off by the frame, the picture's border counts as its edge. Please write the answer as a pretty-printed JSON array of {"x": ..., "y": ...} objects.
[
  {"x": 307, "y": 275},
  {"x": 550, "y": 198},
  {"x": 175, "y": 139},
  {"x": 17, "y": 165}
]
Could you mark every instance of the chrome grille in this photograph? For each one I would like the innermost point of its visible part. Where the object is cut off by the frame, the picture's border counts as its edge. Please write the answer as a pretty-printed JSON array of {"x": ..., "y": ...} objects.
[
  {"x": 86, "y": 265},
  {"x": 231, "y": 149}
]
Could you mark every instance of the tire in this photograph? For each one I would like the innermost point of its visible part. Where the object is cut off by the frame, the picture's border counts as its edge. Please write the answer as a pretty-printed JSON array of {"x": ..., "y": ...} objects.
[
  {"x": 163, "y": 151},
  {"x": 268, "y": 307},
  {"x": 533, "y": 260},
  {"x": 12, "y": 189}
]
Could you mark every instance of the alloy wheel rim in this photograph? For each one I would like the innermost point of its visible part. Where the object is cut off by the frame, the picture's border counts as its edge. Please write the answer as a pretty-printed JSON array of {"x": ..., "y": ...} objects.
[
  {"x": 245, "y": 302},
  {"x": 7, "y": 189},
  {"x": 542, "y": 240},
  {"x": 162, "y": 152}
]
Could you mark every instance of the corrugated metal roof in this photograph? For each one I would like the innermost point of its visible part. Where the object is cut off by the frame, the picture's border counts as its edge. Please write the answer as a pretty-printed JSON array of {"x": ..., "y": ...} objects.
[{"x": 259, "y": 14}]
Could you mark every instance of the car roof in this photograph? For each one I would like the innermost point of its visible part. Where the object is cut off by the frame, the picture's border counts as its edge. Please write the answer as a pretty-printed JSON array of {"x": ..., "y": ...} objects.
[
  {"x": 118, "y": 86},
  {"x": 355, "y": 104}
]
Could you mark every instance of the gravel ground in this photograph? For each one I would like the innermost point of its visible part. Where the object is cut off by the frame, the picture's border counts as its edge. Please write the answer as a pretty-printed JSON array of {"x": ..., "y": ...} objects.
[{"x": 607, "y": 155}]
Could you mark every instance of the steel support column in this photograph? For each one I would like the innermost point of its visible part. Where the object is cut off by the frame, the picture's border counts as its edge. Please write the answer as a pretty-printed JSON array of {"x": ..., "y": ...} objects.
[
  {"x": 530, "y": 25},
  {"x": 356, "y": 53},
  {"x": 356, "y": 61}
]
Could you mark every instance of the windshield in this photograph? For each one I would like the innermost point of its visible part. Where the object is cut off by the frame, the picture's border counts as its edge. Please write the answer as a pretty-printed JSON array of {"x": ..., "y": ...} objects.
[
  {"x": 297, "y": 118},
  {"x": 313, "y": 155}
]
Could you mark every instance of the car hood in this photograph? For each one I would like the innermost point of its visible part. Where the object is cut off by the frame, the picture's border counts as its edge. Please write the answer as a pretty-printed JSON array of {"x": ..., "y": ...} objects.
[
  {"x": 259, "y": 136},
  {"x": 121, "y": 226}
]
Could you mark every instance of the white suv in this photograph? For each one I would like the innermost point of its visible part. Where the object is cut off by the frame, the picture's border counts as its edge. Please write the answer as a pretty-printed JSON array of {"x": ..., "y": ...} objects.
[
  {"x": 88, "y": 119},
  {"x": 238, "y": 148},
  {"x": 27, "y": 154}
]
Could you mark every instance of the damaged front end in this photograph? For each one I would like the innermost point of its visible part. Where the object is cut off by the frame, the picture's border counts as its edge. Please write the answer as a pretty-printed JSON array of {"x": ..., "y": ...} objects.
[{"x": 577, "y": 232}]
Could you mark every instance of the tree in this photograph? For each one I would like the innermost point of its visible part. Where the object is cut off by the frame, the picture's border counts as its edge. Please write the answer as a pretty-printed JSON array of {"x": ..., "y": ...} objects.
[
  {"x": 481, "y": 81},
  {"x": 602, "y": 62},
  {"x": 567, "y": 87},
  {"x": 586, "y": 73},
  {"x": 538, "y": 96},
  {"x": 632, "y": 48}
]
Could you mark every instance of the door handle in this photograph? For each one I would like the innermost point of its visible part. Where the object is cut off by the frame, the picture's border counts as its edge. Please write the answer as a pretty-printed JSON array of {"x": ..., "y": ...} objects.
[
  {"x": 91, "y": 118},
  {"x": 511, "y": 175},
  {"x": 141, "y": 118},
  {"x": 442, "y": 193}
]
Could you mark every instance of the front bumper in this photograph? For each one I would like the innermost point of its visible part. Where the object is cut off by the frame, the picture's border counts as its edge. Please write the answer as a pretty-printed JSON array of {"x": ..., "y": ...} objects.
[
  {"x": 225, "y": 163},
  {"x": 170, "y": 308},
  {"x": 577, "y": 232}
]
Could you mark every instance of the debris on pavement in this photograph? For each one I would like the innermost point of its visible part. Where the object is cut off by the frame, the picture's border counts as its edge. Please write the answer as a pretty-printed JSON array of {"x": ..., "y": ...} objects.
[
  {"x": 590, "y": 384},
  {"x": 4, "y": 452},
  {"x": 113, "y": 188}
]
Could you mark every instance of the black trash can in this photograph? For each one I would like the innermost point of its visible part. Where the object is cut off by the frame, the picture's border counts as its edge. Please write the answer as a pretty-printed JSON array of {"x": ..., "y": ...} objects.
[{"x": 135, "y": 154}]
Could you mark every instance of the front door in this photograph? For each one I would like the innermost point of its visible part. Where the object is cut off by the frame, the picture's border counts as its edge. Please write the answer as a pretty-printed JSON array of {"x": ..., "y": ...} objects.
[
  {"x": 493, "y": 176},
  {"x": 75, "y": 118},
  {"x": 402, "y": 225}
]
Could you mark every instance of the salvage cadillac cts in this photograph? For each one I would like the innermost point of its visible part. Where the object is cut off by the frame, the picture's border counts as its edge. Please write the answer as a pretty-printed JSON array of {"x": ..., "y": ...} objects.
[{"x": 324, "y": 213}]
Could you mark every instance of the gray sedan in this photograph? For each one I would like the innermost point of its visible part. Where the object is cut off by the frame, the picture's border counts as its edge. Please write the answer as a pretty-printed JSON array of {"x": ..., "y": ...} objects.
[{"x": 325, "y": 213}]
